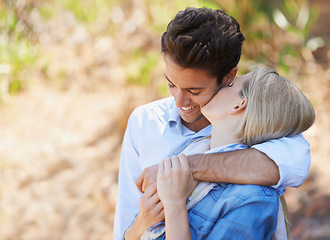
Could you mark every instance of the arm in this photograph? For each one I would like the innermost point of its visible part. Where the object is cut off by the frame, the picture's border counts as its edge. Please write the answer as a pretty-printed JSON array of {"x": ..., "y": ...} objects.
[
  {"x": 128, "y": 196},
  {"x": 241, "y": 167},
  {"x": 292, "y": 156},
  {"x": 280, "y": 162},
  {"x": 176, "y": 221},
  {"x": 174, "y": 185}
]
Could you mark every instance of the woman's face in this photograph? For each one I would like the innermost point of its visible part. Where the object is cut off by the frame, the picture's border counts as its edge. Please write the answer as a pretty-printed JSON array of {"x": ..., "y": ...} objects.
[{"x": 226, "y": 100}]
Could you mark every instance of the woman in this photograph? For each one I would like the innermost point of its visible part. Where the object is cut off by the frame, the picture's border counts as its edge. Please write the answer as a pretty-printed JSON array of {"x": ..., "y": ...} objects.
[{"x": 254, "y": 108}]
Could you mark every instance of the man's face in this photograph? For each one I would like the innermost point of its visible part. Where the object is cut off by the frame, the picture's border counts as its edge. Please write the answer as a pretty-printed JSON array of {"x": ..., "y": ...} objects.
[{"x": 191, "y": 89}]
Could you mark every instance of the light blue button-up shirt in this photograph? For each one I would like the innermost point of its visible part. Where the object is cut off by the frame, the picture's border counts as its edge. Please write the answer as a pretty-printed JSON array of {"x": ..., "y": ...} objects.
[{"x": 155, "y": 132}]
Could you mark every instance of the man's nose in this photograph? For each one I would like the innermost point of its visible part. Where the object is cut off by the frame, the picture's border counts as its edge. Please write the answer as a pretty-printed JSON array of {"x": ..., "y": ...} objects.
[{"x": 182, "y": 99}]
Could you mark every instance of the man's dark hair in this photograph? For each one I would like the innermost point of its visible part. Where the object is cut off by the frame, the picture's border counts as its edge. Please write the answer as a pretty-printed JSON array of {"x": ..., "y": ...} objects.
[{"x": 205, "y": 39}]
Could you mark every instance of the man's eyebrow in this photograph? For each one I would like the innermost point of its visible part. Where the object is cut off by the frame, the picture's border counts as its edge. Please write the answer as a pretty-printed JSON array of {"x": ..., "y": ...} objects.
[
  {"x": 168, "y": 79},
  {"x": 187, "y": 89}
]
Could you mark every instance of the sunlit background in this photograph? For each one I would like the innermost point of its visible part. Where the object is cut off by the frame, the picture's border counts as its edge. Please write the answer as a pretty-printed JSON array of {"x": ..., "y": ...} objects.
[{"x": 72, "y": 71}]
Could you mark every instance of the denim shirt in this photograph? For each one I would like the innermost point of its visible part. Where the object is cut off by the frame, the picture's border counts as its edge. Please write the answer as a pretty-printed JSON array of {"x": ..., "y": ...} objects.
[{"x": 233, "y": 211}]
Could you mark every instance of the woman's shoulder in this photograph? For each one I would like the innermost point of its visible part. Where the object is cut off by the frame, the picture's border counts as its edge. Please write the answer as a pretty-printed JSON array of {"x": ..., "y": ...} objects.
[
  {"x": 236, "y": 194},
  {"x": 245, "y": 191},
  {"x": 236, "y": 203},
  {"x": 230, "y": 196}
]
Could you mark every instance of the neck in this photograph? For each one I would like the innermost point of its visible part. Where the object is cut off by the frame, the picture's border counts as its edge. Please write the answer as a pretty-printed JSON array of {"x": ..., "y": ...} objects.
[
  {"x": 197, "y": 125},
  {"x": 223, "y": 132}
]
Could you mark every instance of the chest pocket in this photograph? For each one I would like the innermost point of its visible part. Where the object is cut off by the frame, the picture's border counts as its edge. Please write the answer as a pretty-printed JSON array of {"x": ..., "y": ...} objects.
[
  {"x": 200, "y": 224},
  {"x": 206, "y": 213}
]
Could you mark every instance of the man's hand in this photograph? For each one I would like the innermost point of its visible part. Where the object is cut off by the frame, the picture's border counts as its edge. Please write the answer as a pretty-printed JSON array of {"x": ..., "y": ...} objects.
[
  {"x": 151, "y": 212},
  {"x": 151, "y": 208},
  {"x": 147, "y": 178}
]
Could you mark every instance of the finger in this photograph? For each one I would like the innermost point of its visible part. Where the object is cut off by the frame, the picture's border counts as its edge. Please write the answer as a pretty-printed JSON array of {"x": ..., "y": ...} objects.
[
  {"x": 146, "y": 184},
  {"x": 175, "y": 162},
  {"x": 154, "y": 199},
  {"x": 162, "y": 215},
  {"x": 183, "y": 160},
  {"x": 151, "y": 190},
  {"x": 139, "y": 182},
  {"x": 167, "y": 164},
  {"x": 160, "y": 172},
  {"x": 158, "y": 207},
  {"x": 160, "y": 168}
]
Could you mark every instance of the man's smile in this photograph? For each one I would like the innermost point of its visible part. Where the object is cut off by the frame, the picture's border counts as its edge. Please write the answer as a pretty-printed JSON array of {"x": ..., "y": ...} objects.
[{"x": 187, "y": 108}]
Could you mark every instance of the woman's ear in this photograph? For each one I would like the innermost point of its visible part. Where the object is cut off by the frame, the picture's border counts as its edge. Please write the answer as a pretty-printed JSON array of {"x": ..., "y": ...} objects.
[{"x": 239, "y": 108}]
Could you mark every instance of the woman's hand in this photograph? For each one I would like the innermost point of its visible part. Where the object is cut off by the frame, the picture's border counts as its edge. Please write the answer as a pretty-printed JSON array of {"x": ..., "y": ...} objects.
[
  {"x": 174, "y": 180},
  {"x": 174, "y": 184}
]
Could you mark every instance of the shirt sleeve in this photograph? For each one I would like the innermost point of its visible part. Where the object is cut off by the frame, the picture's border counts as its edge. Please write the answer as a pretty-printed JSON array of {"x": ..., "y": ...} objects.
[
  {"x": 292, "y": 156},
  {"x": 128, "y": 195}
]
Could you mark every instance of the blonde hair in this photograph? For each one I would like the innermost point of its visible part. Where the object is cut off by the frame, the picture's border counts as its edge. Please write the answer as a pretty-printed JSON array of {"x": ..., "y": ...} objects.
[{"x": 276, "y": 108}]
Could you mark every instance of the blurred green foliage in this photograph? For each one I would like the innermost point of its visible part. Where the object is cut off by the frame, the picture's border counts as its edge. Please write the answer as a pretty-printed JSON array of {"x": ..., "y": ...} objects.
[
  {"x": 139, "y": 69},
  {"x": 17, "y": 53},
  {"x": 88, "y": 10},
  {"x": 276, "y": 32}
]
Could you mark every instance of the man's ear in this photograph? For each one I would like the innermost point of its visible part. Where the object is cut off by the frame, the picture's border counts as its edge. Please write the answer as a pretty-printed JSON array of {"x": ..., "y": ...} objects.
[
  {"x": 229, "y": 78},
  {"x": 239, "y": 108}
]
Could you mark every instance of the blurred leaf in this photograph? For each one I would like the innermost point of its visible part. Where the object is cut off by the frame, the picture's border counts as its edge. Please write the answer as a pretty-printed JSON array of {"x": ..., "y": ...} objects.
[
  {"x": 46, "y": 12},
  {"x": 87, "y": 10},
  {"x": 315, "y": 43},
  {"x": 280, "y": 19},
  {"x": 140, "y": 68},
  {"x": 289, "y": 50}
]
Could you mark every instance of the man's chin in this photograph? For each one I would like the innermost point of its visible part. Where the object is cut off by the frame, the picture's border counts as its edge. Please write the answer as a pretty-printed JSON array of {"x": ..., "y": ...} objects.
[{"x": 192, "y": 120}]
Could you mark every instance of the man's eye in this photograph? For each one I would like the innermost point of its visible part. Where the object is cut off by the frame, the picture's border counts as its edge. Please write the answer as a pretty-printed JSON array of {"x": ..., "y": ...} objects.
[{"x": 194, "y": 93}]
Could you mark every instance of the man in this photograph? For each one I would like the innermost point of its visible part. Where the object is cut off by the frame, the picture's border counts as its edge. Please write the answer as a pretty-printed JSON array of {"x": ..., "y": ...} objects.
[{"x": 202, "y": 48}]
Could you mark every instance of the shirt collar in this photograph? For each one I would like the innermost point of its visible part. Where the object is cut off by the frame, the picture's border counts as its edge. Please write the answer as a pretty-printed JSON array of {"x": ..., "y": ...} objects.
[
  {"x": 174, "y": 118},
  {"x": 228, "y": 148}
]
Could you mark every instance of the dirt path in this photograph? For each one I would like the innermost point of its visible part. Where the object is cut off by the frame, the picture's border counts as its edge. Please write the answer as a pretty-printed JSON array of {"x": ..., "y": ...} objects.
[{"x": 61, "y": 139}]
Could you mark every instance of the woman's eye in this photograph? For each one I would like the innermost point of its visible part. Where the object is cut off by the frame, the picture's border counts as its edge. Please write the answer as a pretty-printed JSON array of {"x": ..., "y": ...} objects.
[{"x": 170, "y": 85}]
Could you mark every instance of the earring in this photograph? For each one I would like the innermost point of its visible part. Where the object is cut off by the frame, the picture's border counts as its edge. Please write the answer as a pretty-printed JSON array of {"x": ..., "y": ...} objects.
[{"x": 231, "y": 84}]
